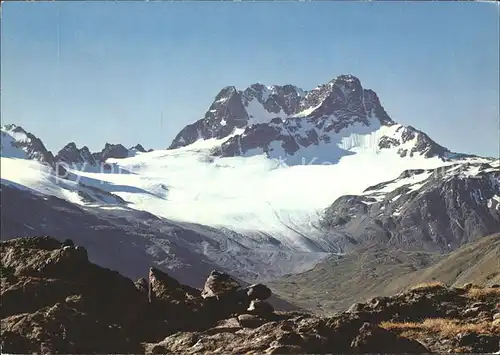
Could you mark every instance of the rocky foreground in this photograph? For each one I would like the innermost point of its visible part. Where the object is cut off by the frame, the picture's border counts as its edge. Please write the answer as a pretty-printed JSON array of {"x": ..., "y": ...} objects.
[{"x": 55, "y": 301}]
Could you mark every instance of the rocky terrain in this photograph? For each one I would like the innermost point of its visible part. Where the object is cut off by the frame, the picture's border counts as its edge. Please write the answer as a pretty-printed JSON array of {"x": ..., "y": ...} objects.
[
  {"x": 379, "y": 270},
  {"x": 434, "y": 210},
  {"x": 55, "y": 301}
]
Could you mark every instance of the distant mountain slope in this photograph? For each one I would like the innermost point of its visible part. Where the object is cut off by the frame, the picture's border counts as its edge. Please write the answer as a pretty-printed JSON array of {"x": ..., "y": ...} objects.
[
  {"x": 337, "y": 283},
  {"x": 478, "y": 262},
  {"x": 442, "y": 208},
  {"x": 116, "y": 238},
  {"x": 128, "y": 240}
]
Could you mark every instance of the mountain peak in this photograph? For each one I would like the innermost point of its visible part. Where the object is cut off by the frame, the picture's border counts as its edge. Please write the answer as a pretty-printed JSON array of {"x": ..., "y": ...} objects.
[
  {"x": 347, "y": 78},
  {"x": 18, "y": 143},
  {"x": 281, "y": 120},
  {"x": 70, "y": 154},
  {"x": 347, "y": 83},
  {"x": 70, "y": 145},
  {"x": 139, "y": 148},
  {"x": 226, "y": 93}
]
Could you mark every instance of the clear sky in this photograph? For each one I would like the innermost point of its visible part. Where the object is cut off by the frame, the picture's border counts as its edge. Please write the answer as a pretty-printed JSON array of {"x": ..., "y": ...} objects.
[{"x": 96, "y": 72}]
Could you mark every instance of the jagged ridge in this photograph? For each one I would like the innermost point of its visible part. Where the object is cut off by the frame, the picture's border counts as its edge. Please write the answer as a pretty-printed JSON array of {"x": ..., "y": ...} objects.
[{"x": 285, "y": 120}]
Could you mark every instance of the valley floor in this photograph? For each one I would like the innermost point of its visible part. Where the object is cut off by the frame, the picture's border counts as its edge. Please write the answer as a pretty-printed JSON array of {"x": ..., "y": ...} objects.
[{"x": 335, "y": 284}]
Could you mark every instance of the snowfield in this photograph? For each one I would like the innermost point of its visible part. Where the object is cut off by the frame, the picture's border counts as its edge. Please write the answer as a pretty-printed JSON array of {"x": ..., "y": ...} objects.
[
  {"x": 260, "y": 213},
  {"x": 248, "y": 195}
]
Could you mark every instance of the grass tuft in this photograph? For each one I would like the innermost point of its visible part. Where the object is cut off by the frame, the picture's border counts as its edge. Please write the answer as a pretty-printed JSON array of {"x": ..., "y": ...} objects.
[
  {"x": 483, "y": 293},
  {"x": 427, "y": 286},
  {"x": 444, "y": 327}
]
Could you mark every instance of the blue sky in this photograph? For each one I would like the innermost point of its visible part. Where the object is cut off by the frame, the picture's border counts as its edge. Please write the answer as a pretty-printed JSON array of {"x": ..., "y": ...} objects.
[{"x": 96, "y": 72}]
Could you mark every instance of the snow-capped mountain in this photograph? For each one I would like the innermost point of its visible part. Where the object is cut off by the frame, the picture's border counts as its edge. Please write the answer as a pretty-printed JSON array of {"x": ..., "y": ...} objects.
[
  {"x": 70, "y": 154},
  {"x": 83, "y": 158},
  {"x": 295, "y": 126},
  {"x": 248, "y": 185},
  {"x": 17, "y": 143},
  {"x": 238, "y": 109},
  {"x": 444, "y": 208}
]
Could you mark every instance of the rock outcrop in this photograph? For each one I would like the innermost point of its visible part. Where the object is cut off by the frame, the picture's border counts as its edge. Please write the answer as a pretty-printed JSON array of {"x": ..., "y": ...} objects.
[{"x": 55, "y": 301}]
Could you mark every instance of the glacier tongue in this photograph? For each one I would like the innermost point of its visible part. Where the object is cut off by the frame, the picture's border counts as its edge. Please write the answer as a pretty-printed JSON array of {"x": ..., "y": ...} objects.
[{"x": 254, "y": 194}]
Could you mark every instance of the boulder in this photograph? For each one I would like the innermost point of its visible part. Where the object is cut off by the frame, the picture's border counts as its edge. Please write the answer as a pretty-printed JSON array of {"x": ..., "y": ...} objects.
[
  {"x": 261, "y": 308},
  {"x": 182, "y": 307},
  {"x": 258, "y": 292},
  {"x": 220, "y": 285}
]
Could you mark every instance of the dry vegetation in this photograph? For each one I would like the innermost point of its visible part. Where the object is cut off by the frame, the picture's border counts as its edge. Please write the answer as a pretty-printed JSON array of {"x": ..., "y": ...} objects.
[
  {"x": 427, "y": 286},
  {"x": 441, "y": 326},
  {"x": 483, "y": 293}
]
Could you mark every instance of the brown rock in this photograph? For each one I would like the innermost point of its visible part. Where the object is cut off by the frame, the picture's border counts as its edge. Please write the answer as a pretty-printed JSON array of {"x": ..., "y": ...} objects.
[{"x": 372, "y": 339}]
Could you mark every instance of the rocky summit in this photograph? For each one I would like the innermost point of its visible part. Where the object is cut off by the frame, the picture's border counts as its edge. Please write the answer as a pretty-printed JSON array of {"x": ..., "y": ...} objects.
[
  {"x": 54, "y": 300},
  {"x": 285, "y": 121}
]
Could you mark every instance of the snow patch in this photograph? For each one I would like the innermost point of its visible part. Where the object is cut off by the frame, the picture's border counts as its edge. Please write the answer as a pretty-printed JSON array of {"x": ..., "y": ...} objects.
[{"x": 258, "y": 114}]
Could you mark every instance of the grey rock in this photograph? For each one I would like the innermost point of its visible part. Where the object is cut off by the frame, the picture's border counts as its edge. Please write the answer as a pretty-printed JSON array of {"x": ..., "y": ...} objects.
[
  {"x": 258, "y": 292},
  {"x": 70, "y": 155},
  {"x": 220, "y": 285},
  {"x": 260, "y": 308},
  {"x": 116, "y": 151}
]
